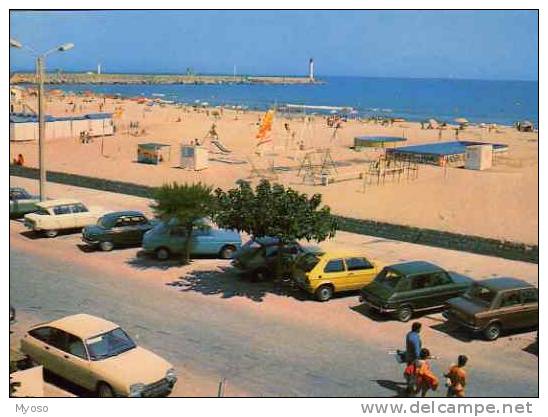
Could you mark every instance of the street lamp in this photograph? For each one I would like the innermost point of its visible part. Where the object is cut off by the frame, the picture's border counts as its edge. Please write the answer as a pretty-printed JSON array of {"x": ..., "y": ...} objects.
[{"x": 40, "y": 69}]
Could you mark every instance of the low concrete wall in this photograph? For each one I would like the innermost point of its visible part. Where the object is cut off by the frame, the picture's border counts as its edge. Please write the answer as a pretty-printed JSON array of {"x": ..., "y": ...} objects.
[{"x": 437, "y": 238}]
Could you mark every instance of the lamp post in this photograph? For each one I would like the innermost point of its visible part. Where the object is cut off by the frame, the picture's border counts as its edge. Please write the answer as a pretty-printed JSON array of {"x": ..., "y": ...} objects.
[{"x": 40, "y": 71}]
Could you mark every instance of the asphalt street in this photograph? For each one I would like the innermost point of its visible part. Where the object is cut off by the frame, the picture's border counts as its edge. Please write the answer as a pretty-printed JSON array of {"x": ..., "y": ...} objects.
[{"x": 260, "y": 353}]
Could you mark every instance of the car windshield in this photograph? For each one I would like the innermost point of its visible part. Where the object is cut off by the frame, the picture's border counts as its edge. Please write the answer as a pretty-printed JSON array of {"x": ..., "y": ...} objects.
[
  {"x": 388, "y": 278},
  {"x": 105, "y": 222},
  {"x": 109, "y": 344},
  {"x": 480, "y": 294},
  {"x": 307, "y": 262}
]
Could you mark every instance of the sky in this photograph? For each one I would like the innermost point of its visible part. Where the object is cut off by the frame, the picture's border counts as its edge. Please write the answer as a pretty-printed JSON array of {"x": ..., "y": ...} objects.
[{"x": 500, "y": 45}]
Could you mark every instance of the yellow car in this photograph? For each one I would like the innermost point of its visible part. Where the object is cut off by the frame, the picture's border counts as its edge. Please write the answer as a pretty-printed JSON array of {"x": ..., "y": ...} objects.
[
  {"x": 331, "y": 272},
  {"x": 98, "y": 355}
]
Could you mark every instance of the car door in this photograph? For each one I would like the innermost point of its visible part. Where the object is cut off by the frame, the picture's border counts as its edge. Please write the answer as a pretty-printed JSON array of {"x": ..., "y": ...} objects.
[
  {"x": 360, "y": 272},
  {"x": 510, "y": 311},
  {"x": 175, "y": 239},
  {"x": 63, "y": 217},
  {"x": 204, "y": 241},
  {"x": 140, "y": 225},
  {"x": 36, "y": 344},
  {"x": 335, "y": 272},
  {"x": 529, "y": 301},
  {"x": 442, "y": 288},
  {"x": 423, "y": 292},
  {"x": 75, "y": 362},
  {"x": 118, "y": 232},
  {"x": 82, "y": 216}
]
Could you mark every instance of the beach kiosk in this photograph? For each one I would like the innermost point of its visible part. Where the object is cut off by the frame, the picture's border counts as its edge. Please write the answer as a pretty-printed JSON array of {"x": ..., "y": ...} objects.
[
  {"x": 153, "y": 153},
  {"x": 194, "y": 157}
]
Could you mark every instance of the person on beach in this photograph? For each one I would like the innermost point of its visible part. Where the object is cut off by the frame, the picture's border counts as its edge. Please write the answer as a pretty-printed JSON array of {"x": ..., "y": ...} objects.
[{"x": 456, "y": 378}]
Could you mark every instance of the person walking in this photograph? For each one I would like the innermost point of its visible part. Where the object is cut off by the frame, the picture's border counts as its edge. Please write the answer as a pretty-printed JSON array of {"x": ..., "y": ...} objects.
[
  {"x": 413, "y": 346},
  {"x": 456, "y": 378},
  {"x": 426, "y": 380}
]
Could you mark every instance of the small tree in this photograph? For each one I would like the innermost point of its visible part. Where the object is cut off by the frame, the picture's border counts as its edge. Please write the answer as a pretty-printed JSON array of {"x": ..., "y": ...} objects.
[
  {"x": 273, "y": 210},
  {"x": 187, "y": 204}
]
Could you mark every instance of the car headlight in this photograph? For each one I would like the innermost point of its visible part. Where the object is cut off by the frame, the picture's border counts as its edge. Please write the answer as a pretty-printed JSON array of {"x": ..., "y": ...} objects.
[
  {"x": 171, "y": 376},
  {"x": 135, "y": 390}
]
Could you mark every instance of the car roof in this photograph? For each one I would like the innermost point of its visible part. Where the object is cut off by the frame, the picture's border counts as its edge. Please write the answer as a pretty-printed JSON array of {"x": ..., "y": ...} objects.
[
  {"x": 17, "y": 189},
  {"x": 60, "y": 202},
  {"x": 500, "y": 284},
  {"x": 83, "y": 325},
  {"x": 415, "y": 267},
  {"x": 116, "y": 214},
  {"x": 342, "y": 254}
]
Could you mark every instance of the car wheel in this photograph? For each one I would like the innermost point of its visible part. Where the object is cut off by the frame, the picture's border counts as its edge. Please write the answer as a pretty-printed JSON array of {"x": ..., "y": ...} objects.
[
  {"x": 104, "y": 391},
  {"x": 324, "y": 293},
  {"x": 227, "y": 252},
  {"x": 106, "y": 246},
  {"x": 492, "y": 332},
  {"x": 404, "y": 313},
  {"x": 51, "y": 233},
  {"x": 162, "y": 254}
]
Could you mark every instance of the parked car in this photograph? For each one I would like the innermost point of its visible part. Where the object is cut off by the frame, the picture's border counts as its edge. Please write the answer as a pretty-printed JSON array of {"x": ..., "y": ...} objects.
[
  {"x": 405, "y": 288},
  {"x": 53, "y": 216},
  {"x": 168, "y": 238},
  {"x": 330, "y": 272},
  {"x": 21, "y": 202},
  {"x": 494, "y": 305},
  {"x": 99, "y": 356},
  {"x": 259, "y": 255},
  {"x": 120, "y": 228}
]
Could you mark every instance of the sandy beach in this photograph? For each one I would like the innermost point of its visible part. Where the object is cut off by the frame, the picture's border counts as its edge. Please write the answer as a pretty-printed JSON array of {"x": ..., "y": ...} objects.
[{"x": 501, "y": 202}]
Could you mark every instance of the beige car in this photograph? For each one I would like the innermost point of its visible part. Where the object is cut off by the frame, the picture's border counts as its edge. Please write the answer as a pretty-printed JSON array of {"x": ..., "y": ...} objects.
[
  {"x": 55, "y": 215},
  {"x": 98, "y": 355}
]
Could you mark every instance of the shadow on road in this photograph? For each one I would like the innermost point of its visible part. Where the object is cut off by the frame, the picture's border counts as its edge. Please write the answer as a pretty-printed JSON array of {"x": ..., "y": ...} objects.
[
  {"x": 532, "y": 348},
  {"x": 227, "y": 283},
  {"x": 67, "y": 385},
  {"x": 399, "y": 388},
  {"x": 86, "y": 248},
  {"x": 142, "y": 261},
  {"x": 456, "y": 332},
  {"x": 370, "y": 313}
]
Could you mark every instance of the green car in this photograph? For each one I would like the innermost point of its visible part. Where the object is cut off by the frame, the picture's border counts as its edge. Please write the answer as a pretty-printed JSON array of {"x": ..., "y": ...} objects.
[
  {"x": 121, "y": 228},
  {"x": 21, "y": 202},
  {"x": 406, "y": 288}
]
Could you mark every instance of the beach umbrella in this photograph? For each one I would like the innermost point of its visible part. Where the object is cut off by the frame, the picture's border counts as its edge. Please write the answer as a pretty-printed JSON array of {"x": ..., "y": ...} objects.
[{"x": 461, "y": 121}]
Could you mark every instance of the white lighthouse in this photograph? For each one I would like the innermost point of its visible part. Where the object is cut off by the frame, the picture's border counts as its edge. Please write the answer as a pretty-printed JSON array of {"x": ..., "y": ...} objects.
[
  {"x": 98, "y": 69},
  {"x": 311, "y": 69}
]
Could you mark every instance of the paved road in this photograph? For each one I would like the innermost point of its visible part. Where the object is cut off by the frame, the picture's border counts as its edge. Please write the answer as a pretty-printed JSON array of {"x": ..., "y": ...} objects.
[{"x": 260, "y": 353}]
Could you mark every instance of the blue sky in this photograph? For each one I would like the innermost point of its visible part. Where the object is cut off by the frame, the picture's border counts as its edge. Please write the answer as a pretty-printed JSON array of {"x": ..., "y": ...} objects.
[{"x": 419, "y": 44}]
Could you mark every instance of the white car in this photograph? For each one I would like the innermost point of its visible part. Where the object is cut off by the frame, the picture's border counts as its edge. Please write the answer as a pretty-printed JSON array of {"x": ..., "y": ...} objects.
[
  {"x": 55, "y": 215},
  {"x": 100, "y": 356}
]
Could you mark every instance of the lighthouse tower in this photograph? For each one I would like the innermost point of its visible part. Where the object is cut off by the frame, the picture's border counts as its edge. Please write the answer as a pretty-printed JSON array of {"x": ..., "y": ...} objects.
[
  {"x": 311, "y": 69},
  {"x": 98, "y": 69}
]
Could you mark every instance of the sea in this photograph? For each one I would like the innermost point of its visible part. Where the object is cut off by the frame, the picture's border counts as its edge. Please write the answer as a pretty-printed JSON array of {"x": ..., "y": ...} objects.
[{"x": 479, "y": 101}]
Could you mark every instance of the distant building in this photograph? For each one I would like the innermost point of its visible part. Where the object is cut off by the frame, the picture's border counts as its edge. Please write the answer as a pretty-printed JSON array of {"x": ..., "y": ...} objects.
[
  {"x": 311, "y": 69},
  {"x": 98, "y": 69}
]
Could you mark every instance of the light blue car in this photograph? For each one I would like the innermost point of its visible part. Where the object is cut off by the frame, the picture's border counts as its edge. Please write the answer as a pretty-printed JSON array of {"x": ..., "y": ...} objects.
[{"x": 166, "y": 239}]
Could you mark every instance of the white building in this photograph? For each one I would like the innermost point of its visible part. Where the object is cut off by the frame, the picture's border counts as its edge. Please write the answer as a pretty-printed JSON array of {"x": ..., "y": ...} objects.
[{"x": 24, "y": 126}]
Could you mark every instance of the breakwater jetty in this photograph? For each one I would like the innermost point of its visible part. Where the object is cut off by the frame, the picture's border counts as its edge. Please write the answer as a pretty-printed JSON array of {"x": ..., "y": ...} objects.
[{"x": 93, "y": 78}]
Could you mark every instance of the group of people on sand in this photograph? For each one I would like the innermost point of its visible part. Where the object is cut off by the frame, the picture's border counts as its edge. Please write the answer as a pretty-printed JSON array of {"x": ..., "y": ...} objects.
[{"x": 418, "y": 374}]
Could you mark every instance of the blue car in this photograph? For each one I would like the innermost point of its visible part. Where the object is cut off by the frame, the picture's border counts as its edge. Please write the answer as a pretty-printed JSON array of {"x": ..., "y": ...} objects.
[{"x": 168, "y": 238}]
